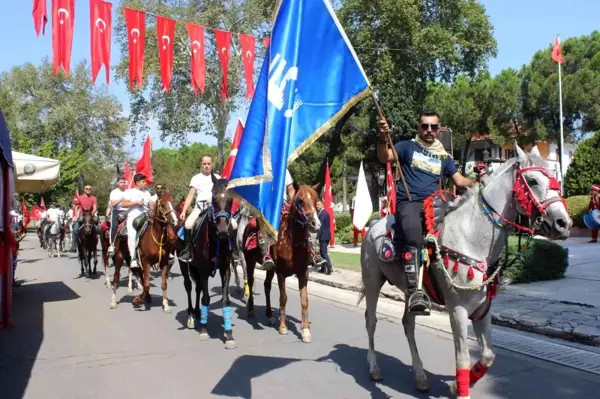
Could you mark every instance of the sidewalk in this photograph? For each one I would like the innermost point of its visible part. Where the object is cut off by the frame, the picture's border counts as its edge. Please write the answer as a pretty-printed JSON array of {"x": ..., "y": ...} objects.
[{"x": 568, "y": 308}]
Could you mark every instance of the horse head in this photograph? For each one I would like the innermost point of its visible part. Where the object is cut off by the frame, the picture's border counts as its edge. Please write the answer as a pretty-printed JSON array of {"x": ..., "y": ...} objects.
[
  {"x": 535, "y": 194},
  {"x": 164, "y": 212},
  {"x": 88, "y": 224},
  {"x": 221, "y": 203},
  {"x": 303, "y": 208}
]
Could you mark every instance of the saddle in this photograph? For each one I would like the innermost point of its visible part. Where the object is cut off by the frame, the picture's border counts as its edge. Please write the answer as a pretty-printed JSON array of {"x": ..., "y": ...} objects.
[
  {"x": 140, "y": 224},
  {"x": 252, "y": 238}
]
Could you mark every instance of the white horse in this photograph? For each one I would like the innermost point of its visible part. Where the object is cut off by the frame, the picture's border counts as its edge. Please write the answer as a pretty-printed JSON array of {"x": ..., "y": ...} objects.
[
  {"x": 476, "y": 228},
  {"x": 53, "y": 237}
]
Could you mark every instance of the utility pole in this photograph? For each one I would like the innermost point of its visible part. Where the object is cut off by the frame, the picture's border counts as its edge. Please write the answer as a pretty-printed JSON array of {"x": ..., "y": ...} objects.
[{"x": 344, "y": 187}]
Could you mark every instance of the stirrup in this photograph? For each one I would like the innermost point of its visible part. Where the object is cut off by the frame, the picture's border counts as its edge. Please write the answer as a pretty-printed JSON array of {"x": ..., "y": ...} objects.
[
  {"x": 268, "y": 263},
  {"x": 413, "y": 301}
]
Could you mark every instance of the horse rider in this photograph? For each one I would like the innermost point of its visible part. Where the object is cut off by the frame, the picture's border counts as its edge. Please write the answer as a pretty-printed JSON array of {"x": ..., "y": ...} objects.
[
  {"x": 159, "y": 190},
  {"x": 136, "y": 202},
  {"x": 114, "y": 210},
  {"x": 424, "y": 162},
  {"x": 53, "y": 215},
  {"x": 201, "y": 187},
  {"x": 594, "y": 204},
  {"x": 86, "y": 202}
]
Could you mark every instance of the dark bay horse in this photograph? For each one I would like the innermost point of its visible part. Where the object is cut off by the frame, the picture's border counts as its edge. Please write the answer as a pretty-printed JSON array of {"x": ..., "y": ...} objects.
[
  {"x": 249, "y": 253},
  {"x": 87, "y": 243},
  {"x": 154, "y": 246},
  {"x": 292, "y": 256},
  {"x": 212, "y": 252}
]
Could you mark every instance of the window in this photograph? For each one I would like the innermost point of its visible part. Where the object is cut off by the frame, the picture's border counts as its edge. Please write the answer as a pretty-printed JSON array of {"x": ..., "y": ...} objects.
[
  {"x": 478, "y": 155},
  {"x": 509, "y": 154}
]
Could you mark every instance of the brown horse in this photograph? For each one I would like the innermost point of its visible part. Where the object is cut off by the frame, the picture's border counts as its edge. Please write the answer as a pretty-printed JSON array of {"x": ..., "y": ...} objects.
[
  {"x": 292, "y": 255},
  {"x": 104, "y": 244},
  {"x": 87, "y": 243},
  {"x": 154, "y": 246}
]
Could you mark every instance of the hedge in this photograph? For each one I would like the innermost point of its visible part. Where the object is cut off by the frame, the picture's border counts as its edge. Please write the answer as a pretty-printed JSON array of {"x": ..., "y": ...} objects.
[
  {"x": 542, "y": 260},
  {"x": 578, "y": 206},
  {"x": 344, "y": 233}
]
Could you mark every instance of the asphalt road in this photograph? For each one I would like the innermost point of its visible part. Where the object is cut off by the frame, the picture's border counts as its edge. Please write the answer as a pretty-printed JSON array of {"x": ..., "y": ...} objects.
[{"x": 68, "y": 343}]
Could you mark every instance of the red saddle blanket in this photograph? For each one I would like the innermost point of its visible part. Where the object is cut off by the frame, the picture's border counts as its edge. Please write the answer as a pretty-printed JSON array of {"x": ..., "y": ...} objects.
[
  {"x": 105, "y": 226},
  {"x": 252, "y": 238}
]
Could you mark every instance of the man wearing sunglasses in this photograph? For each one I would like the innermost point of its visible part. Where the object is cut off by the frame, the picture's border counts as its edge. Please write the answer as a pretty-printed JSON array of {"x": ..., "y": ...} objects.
[
  {"x": 87, "y": 202},
  {"x": 424, "y": 162}
]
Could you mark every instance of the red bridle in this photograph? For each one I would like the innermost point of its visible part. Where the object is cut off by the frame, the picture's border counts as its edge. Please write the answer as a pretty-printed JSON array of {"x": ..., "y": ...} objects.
[{"x": 526, "y": 198}]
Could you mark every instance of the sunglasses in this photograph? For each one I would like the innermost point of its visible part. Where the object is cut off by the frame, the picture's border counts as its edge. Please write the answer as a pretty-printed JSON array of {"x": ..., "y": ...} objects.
[
  {"x": 159, "y": 188},
  {"x": 88, "y": 189},
  {"x": 433, "y": 126}
]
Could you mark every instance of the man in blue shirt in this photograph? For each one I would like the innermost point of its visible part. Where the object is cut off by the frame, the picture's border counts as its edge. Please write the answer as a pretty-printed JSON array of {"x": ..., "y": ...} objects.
[{"x": 424, "y": 162}]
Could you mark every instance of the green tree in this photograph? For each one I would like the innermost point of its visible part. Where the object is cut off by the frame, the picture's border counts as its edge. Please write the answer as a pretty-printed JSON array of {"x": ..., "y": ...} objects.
[
  {"x": 66, "y": 119},
  {"x": 181, "y": 111},
  {"x": 584, "y": 171}
]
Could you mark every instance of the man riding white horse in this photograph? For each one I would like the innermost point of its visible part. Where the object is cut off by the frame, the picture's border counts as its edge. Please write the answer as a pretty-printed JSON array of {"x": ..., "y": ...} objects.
[
  {"x": 424, "y": 162},
  {"x": 137, "y": 203},
  {"x": 53, "y": 215},
  {"x": 115, "y": 210},
  {"x": 201, "y": 187}
]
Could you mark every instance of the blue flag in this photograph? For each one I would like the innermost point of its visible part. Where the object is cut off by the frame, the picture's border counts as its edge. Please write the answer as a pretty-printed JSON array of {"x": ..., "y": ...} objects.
[{"x": 309, "y": 79}]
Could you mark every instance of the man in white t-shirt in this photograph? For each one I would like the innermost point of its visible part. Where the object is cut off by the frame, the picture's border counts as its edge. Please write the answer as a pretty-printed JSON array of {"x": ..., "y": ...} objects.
[
  {"x": 53, "y": 215},
  {"x": 115, "y": 204},
  {"x": 201, "y": 188},
  {"x": 136, "y": 201}
]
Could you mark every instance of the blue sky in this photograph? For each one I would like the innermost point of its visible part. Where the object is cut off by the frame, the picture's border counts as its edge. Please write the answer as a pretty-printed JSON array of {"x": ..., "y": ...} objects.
[{"x": 521, "y": 27}]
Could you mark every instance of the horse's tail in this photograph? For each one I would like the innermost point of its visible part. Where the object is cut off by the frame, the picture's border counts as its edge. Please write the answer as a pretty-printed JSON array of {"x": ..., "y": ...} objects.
[{"x": 362, "y": 291}]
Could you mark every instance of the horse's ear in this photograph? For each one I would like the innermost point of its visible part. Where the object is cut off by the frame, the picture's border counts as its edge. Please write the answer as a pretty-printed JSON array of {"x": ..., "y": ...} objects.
[
  {"x": 521, "y": 155},
  {"x": 315, "y": 187},
  {"x": 213, "y": 177}
]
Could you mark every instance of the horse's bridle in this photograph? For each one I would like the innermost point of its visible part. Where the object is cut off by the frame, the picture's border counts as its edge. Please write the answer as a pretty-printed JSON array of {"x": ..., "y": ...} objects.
[
  {"x": 524, "y": 196},
  {"x": 303, "y": 214},
  {"x": 215, "y": 216}
]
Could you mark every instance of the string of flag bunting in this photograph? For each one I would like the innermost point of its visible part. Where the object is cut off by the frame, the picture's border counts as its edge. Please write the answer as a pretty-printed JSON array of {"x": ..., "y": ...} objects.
[{"x": 63, "y": 21}]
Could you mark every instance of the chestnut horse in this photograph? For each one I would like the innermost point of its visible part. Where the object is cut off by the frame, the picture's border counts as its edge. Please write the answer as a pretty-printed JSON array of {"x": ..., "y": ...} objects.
[
  {"x": 212, "y": 252},
  {"x": 291, "y": 255},
  {"x": 154, "y": 247},
  {"x": 104, "y": 244}
]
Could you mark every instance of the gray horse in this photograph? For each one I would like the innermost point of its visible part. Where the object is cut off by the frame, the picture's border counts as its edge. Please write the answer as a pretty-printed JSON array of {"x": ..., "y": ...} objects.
[
  {"x": 476, "y": 226},
  {"x": 53, "y": 235}
]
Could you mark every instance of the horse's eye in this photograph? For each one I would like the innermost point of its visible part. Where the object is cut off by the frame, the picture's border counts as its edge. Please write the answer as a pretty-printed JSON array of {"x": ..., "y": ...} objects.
[{"x": 532, "y": 182}]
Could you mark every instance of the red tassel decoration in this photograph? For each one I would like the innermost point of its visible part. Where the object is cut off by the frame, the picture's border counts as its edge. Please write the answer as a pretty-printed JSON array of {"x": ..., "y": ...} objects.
[
  {"x": 471, "y": 273},
  {"x": 485, "y": 277},
  {"x": 446, "y": 261},
  {"x": 455, "y": 268}
]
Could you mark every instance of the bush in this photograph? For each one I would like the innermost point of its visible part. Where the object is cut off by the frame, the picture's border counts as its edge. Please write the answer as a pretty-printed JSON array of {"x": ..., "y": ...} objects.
[
  {"x": 344, "y": 233},
  {"x": 542, "y": 260},
  {"x": 578, "y": 206},
  {"x": 583, "y": 172}
]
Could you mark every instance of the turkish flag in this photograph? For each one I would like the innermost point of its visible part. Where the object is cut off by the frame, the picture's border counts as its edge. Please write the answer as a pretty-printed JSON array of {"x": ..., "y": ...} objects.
[
  {"x": 40, "y": 16},
  {"x": 234, "y": 149},
  {"x": 63, "y": 21},
  {"x": 196, "y": 35},
  {"x": 557, "y": 51},
  {"x": 327, "y": 203},
  {"x": 391, "y": 189},
  {"x": 135, "y": 21},
  {"x": 223, "y": 46},
  {"x": 101, "y": 28},
  {"x": 266, "y": 41},
  {"x": 144, "y": 164},
  {"x": 248, "y": 44},
  {"x": 42, "y": 204},
  {"x": 36, "y": 212},
  {"x": 165, "y": 35},
  {"x": 25, "y": 212},
  {"x": 128, "y": 175}
]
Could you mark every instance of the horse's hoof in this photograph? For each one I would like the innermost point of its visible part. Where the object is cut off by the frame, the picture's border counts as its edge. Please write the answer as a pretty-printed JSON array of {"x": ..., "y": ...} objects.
[
  {"x": 113, "y": 305},
  {"x": 376, "y": 375},
  {"x": 251, "y": 313},
  {"x": 130, "y": 292},
  {"x": 423, "y": 385},
  {"x": 271, "y": 321},
  {"x": 283, "y": 330},
  {"x": 191, "y": 323},
  {"x": 204, "y": 336},
  {"x": 230, "y": 344},
  {"x": 167, "y": 310},
  {"x": 306, "y": 337}
]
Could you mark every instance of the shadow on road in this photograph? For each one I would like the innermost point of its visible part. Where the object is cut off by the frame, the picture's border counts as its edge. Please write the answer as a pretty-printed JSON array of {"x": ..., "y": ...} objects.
[
  {"x": 19, "y": 345},
  {"x": 237, "y": 382}
]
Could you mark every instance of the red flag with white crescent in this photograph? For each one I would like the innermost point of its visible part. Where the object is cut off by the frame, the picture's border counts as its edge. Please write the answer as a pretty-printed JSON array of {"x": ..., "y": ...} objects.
[
  {"x": 557, "y": 51},
  {"x": 328, "y": 203},
  {"x": 36, "y": 212},
  {"x": 135, "y": 21},
  {"x": 101, "y": 30},
  {"x": 25, "y": 212},
  {"x": 223, "y": 39},
  {"x": 248, "y": 44},
  {"x": 165, "y": 35},
  {"x": 144, "y": 164},
  {"x": 42, "y": 204},
  {"x": 235, "y": 145},
  {"x": 128, "y": 175},
  {"x": 196, "y": 35},
  {"x": 40, "y": 16},
  {"x": 63, "y": 21},
  {"x": 391, "y": 189}
]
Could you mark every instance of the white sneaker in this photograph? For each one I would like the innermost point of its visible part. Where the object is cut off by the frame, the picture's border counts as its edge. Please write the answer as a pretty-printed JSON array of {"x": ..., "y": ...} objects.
[
  {"x": 111, "y": 250},
  {"x": 134, "y": 264}
]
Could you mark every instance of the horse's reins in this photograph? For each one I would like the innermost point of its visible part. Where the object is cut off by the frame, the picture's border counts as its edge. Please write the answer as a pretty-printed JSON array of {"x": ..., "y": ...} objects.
[
  {"x": 157, "y": 216},
  {"x": 214, "y": 216}
]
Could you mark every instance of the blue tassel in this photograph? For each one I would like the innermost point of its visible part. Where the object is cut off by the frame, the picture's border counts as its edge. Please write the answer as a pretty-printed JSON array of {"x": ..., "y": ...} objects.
[
  {"x": 227, "y": 318},
  {"x": 204, "y": 314}
]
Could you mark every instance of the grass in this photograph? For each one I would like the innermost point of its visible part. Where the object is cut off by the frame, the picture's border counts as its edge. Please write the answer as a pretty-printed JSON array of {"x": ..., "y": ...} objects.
[{"x": 345, "y": 260}]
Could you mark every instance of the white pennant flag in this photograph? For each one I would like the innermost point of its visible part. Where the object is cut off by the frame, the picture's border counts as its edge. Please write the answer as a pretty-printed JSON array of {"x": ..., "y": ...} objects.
[{"x": 363, "y": 206}]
